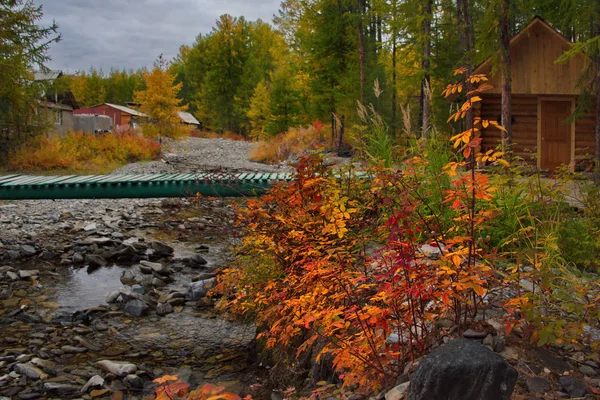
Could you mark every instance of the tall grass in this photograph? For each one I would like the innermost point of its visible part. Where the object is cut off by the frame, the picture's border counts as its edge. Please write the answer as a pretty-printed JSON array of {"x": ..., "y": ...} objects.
[{"x": 83, "y": 152}]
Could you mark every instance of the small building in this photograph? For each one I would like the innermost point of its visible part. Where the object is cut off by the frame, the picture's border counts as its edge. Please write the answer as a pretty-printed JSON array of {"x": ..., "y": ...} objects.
[
  {"x": 189, "y": 119},
  {"x": 122, "y": 117},
  {"x": 57, "y": 106},
  {"x": 544, "y": 95}
]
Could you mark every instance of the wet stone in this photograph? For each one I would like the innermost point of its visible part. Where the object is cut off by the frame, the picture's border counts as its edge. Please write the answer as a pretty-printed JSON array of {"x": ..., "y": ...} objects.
[
  {"x": 119, "y": 368},
  {"x": 137, "y": 308},
  {"x": 537, "y": 385}
]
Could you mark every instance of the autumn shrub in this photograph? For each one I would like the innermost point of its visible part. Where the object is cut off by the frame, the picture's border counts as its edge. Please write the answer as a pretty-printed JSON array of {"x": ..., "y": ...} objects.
[
  {"x": 344, "y": 258},
  {"x": 84, "y": 152},
  {"x": 170, "y": 387},
  {"x": 296, "y": 141},
  {"x": 175, "y": 131}
]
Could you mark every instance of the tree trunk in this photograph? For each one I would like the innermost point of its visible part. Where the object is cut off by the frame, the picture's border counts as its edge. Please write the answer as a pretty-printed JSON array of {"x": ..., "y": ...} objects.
[
  {"x": 361, "y": 50},
  {"x": 597, "y": 72},
  {"x": 426, "y": 65},
  {"x": 394, "y": 86},
  {"x": 507, "y": 135},
  {"x": 341, "y": 136}
]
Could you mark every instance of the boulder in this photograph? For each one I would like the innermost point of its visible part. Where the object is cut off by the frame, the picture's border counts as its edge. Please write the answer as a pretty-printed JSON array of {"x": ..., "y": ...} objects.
[
  {"x": 200, "y": 289},
  {"x": 28, "y": 250},
  {"x": 575, "y": 388},
  {"x": 137, "y": 308},
  {"x": 118, "y": 368},
  {"x": 161, "y": 249},
  {"x": 164, "y": 309},
  {"x": 95, "y": 381},
  {"x": 30, "y": 371},
  {"x": 112, "y": 297},
  {"x": 462, "y": 369},
  {"x": 94, "y": 260},
  {"x": 155, "y": 267}
]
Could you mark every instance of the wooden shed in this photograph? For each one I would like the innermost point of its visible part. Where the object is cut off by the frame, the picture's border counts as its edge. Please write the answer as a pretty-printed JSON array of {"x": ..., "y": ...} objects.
[
  {"x": 544, "y": 95},
  {"x": 122, "y": 116}
]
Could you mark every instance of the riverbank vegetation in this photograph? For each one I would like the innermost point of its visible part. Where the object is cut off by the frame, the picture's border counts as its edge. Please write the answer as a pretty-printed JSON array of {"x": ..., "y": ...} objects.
[
  {"x": 83, "y": 153},
  {"x": 363, "y": 271}
]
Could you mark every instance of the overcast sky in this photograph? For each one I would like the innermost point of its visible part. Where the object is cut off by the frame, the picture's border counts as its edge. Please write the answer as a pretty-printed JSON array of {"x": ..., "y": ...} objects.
[{"x": 132, "y": 33}]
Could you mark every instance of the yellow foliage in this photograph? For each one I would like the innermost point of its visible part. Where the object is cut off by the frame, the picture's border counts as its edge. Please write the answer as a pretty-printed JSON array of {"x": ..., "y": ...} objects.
[{"x": 159, "y": 101}]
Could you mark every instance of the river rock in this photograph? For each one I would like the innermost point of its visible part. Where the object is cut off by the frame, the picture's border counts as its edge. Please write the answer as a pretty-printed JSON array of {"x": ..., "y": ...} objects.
[
  {"x": 164, "y": 309},
  {"x": 28, "y": 250},
  {"x": 112, "y": 297},
  {"x": 46, "y": 364},
  {"x": 200, "y": 289},
  {"x": 572, "y": 386},
  {"x": 134, "y": 381},
  {"x": 472, "y": 334},
  {"x": 137, "y": 308},
  {"x": 128, "y": 278},
  {"x": 61, "y": 389},
  {"x": 156, "y": 267},
  {"x": 537, "y": 385},
  {"x": 26, "y": 274},
  {"x": 118, "y": 368},
  {"x": 398, "y": 392},
  {"x": 138, "y": 289},
  {"x": 94, "y": 260},
  {"x": 161, "y": 249},
  {"x": 127, "y": 253},
  {"x": 78, "y": 258},
  {"x": 94, "y": 382},
  {"x": 462, "y": 370},
  {"x": 30, "y": 371}
]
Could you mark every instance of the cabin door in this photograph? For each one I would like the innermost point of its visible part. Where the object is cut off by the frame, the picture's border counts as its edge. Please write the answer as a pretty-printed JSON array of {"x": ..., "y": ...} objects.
[{"x": 555, "y": 133}]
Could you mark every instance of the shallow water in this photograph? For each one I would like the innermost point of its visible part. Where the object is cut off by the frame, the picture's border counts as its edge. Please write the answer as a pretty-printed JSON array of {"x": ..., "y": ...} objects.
[{"x": 79, "y": 289}]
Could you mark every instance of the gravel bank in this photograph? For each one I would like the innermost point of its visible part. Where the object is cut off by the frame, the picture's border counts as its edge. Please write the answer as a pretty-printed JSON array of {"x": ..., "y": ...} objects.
[{"x": 195, "y": 154}]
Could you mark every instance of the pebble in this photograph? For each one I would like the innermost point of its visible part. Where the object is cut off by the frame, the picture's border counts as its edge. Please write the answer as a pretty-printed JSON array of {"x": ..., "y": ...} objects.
[{"x": 119, "y": 368}]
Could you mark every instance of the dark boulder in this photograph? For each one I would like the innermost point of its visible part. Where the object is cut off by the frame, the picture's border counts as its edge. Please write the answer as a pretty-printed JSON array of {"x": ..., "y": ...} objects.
[
  {"x": 572, "y": 386},
  {"x": 462, "y": 370}
]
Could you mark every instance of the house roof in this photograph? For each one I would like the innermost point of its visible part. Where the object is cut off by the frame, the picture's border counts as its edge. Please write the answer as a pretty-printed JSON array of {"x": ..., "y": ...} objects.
[
  {"x": 188, "y": 118},
  {"x": 537, "y": 20},
  {"x": 47, "y": 76},
  {"x": 127, "y": 110}
]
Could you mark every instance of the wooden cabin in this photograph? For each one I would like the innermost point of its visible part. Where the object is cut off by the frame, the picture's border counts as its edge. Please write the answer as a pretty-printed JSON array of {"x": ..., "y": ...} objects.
[
  {"x": 122, "y": 116},
  {"x": 544, "y": 95}
]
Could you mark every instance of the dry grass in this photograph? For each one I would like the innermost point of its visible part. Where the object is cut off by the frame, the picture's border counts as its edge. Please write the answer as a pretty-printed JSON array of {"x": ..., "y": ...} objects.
[
  {"x": 296, "y": 141},
  {"x": 83, "y": 152},
  {"x": 214, "y": 135}
]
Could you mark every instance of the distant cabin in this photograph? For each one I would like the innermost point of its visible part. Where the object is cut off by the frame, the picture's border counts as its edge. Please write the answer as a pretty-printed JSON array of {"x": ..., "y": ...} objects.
[
  {"x": 189, "y": 119},
  {"x": 56, "y": 108},
  {"x": 121, "y": 116},
  {"x": 544, "y": 95}
]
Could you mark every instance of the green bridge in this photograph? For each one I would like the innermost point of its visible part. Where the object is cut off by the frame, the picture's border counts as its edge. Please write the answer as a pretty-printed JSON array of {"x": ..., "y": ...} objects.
[{"x": 222, "y": 184}]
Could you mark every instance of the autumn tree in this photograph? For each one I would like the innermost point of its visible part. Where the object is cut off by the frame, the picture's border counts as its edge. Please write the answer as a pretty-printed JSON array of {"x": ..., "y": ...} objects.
[
  {"x": 24, "y": 46},
  {"x": 160, "y": 99}
]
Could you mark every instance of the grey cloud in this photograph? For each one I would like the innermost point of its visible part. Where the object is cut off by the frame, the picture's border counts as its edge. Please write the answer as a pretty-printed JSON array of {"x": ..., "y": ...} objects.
[{"x": 131, "y": 34}]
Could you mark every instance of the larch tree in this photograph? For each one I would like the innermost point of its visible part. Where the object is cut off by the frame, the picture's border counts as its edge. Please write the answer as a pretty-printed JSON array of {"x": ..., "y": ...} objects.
[
  {"x": 24, "y": 46},
  {"x": 160, "y": 99}
]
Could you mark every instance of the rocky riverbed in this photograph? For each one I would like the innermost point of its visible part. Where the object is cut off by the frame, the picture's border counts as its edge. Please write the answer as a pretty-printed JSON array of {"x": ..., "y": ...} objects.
[{"x": 99, "y": 297}]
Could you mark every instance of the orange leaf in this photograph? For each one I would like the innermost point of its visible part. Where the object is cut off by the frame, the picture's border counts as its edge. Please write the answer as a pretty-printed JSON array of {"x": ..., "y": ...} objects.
[
  {"x": 165, "y": 379},
  {"x": 456, "y": 260}
]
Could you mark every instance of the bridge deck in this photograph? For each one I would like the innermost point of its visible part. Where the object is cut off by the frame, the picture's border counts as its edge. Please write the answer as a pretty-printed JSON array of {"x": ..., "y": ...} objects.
[{"x": 14, "y": 187}]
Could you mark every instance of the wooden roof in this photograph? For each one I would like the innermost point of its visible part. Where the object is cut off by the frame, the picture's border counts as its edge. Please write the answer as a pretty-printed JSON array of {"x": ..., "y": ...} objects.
[{"x": 533, "y": 53}]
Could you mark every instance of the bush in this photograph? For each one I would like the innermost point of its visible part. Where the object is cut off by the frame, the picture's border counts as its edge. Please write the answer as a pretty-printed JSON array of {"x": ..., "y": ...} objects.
[
  {"x": 172, "y": 131},
  {"x": 296, "y": 141},
  {"x": 83, "y": 152}
]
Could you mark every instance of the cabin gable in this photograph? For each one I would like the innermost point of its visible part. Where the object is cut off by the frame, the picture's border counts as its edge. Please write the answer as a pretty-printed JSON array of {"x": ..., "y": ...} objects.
[{"x": 534, "y": 72}]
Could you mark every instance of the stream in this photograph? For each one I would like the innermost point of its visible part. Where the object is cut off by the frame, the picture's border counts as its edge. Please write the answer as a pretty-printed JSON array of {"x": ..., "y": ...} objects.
[{"x": 58, "y": 319}]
